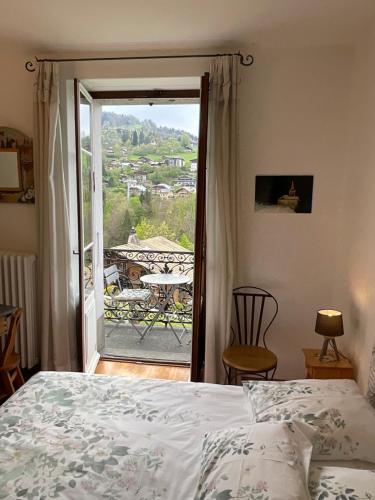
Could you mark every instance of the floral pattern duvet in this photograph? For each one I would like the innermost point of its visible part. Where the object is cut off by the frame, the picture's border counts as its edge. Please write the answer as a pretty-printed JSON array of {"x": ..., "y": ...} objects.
[{"x": 78, "y": 436}]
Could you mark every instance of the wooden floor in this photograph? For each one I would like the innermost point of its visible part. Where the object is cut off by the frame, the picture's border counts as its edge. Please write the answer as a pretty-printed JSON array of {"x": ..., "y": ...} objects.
[{"x": 142, "y": 370}]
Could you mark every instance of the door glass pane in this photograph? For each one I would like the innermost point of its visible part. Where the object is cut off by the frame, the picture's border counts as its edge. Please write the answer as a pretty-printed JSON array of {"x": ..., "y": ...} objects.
[
  {"x": 88, "y": 271},
  {"x": 86, "y": 196},
  {"x": 85, "y": 123}
]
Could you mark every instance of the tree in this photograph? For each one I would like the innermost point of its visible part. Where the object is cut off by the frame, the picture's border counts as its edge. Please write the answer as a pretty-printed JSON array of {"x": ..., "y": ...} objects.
[
  {"x": 125, "y": 136},
  {"x": 185, "y": 140},
  {"x": 146, "y": 229},
  {"x": 141, "y": 137},
  {"x": 185, "y": 242},
  {"x": 134, "y": 138},
  {"x": 126, "y": 225}
]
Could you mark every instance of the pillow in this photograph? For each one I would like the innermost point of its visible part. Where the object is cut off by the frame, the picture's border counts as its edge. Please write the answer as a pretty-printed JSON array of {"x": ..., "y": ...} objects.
[
  {"x": 260, "y": 461},
  {"x": 264, "y": 394},
  {"x": 332, "y": 483},
  {"x": 343, "y": 419}
]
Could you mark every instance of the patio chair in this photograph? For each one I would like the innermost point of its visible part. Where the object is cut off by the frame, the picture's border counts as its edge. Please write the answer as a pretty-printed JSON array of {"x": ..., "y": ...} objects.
[{"x": 135, "y": 298}]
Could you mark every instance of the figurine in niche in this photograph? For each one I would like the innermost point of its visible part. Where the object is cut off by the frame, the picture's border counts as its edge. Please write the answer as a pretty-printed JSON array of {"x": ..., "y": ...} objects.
[{"x": 291, "y": 199}]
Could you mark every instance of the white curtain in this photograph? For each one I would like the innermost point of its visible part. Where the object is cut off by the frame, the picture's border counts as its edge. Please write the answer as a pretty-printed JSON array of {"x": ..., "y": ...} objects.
[
  {"x": 221, "y": 211},
  {"x": 55, "y": 289}
]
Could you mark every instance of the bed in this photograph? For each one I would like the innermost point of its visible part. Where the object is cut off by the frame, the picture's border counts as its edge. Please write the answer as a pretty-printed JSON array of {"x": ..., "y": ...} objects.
[{"x": 75, "y": 436}]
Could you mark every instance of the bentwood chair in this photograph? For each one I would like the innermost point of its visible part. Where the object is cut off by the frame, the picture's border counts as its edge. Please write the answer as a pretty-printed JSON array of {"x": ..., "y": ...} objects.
[
  {"x": 11, "y": 377},
  {"x": 255, "y": 310}
]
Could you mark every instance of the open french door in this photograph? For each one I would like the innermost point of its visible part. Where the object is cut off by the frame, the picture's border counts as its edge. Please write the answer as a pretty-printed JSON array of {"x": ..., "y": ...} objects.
[
  {"x": 86, "y": 317},
  {"x": 198, "y": 335}
]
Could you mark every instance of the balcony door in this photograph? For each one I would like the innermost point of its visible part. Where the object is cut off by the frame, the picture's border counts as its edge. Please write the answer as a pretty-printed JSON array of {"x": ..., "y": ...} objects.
[{"x": 86, "y": 322}]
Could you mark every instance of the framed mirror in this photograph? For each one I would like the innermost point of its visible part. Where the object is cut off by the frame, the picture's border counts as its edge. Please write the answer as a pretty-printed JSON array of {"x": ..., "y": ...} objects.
[
  {"x": 16, "y": 167},
  {"x": 10, "y": 171}
]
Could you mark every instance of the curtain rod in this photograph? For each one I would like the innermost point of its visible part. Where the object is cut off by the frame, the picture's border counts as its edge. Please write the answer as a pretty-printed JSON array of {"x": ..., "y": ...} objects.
[{"x": 244, "y": 60}]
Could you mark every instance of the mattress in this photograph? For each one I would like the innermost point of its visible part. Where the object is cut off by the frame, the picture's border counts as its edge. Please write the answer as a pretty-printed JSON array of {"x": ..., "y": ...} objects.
[{"x": 73, "y": 435}]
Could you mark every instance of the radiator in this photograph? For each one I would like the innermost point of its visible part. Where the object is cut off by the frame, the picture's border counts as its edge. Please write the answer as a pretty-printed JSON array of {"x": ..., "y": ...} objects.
[{"x": 18, "y": 288}]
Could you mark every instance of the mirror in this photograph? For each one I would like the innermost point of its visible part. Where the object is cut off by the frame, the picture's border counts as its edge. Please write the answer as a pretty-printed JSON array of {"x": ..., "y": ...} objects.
[
  {"x": 10, "y": 179},
  {"x": 16, "y": 167}
]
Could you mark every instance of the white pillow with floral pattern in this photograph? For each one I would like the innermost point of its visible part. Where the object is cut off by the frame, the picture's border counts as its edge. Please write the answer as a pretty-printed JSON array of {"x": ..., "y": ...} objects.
[
  {"x": 264, "y": 394},
  {"x": 332, "y": 483},
  {"x": 342, "y": 417},
  {"x": 257, "y": 462}
]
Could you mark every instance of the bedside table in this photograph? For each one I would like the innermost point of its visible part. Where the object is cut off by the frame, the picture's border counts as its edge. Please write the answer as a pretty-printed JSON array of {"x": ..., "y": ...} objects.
[{"x": 326, "y": 369}]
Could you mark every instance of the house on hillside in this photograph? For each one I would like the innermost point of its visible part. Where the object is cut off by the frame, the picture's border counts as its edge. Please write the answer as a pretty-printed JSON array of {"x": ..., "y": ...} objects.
[
  {"x": 136, "y": 189},
  {"x": 144, "y": 159},
  {"x": 186, "y": 180},
  {"x": 140, "y": 176},
  {"x": 193, "y": 165},
  {"x": 161, "y": 189},
  {"x": 184, "y": 191},
  {"x": 174, "y": 161}
]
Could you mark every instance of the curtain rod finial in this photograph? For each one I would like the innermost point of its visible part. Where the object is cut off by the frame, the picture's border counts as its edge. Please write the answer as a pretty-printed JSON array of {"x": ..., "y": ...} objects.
[
  {"x": 246, "y": 60},
  {"x": 29, "y": 65}
]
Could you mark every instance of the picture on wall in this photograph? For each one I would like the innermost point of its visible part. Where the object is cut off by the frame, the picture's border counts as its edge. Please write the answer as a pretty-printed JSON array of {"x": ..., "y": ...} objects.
[{"x": 284, "y": 193}]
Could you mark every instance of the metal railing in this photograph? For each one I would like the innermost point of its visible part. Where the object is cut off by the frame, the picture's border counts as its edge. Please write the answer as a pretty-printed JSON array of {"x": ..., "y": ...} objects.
[{"x": 131, "y": 265}]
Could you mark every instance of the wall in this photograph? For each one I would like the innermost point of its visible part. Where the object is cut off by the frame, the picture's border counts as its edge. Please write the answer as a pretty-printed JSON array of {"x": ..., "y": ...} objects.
[
  {"x": 356, "y": 285},
  {"x": 17, "y": 221},
  {"x": 293, "y": 121}
]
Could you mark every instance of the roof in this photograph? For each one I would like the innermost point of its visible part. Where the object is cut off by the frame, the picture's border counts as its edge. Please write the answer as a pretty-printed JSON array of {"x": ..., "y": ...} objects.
[{"x": 159, "y": 243}]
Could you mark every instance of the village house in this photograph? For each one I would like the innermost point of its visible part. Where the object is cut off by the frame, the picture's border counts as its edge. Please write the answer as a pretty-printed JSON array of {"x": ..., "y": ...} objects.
[
  {"x": 140, "y": 176},
  {"x": 185, "y": 180},
  {"x": 144, "y": 159},
  {"x": 161, "y": 188},
  {"x": 193, "y": 165},
  {"x": 184, "y": 191},
  {"x": 136, "y": 189},
  {"x": 174, "y": 161}
]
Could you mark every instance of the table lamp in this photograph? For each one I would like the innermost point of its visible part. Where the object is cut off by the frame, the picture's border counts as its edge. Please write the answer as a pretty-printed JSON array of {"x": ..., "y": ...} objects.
[{"x": 329, "y": 324}]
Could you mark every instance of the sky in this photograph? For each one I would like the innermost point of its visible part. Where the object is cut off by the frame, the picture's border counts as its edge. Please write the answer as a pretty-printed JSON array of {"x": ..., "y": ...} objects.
[{"x": 180, "y": 116}]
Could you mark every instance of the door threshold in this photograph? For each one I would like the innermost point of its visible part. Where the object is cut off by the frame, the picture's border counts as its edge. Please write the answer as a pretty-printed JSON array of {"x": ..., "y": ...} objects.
[{"x": 142, "y": 361}]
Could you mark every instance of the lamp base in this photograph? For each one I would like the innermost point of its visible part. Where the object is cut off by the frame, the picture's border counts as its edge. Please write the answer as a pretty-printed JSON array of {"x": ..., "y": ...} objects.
[{"x": 323, "y": 352}]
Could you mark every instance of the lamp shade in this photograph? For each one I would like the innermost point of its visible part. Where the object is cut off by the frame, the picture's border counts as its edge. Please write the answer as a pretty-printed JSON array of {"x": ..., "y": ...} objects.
[{"x": 329, "y": 323}]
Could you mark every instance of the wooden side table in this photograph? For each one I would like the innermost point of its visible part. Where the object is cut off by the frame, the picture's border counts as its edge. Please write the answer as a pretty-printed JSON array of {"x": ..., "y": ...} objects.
[{"x": 326, "y": 369}]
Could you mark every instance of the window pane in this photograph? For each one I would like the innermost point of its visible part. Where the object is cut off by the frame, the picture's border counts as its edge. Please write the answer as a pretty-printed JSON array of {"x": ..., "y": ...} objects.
[
  {"x": 88, "y": 271},
  {"x": 86, "y": 196},
  {"x": 85, "y": 123}
]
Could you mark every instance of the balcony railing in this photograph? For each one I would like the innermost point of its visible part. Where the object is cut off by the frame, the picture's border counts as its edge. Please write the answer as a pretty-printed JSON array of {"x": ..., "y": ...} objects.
[{"x": 132, "y": 265}]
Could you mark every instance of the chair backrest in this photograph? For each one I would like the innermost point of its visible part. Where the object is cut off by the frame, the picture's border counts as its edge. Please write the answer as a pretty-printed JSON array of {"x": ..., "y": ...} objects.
[
  {"x": 3, "y": 325},
  {"x": 255, "y": 310},
  {"x": 111, "y": 276},
  {"x": 11, "y": 337}
]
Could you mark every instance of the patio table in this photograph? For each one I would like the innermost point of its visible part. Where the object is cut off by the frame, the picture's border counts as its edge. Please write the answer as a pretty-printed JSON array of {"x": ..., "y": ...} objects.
[{"x": 169, "y": 284}]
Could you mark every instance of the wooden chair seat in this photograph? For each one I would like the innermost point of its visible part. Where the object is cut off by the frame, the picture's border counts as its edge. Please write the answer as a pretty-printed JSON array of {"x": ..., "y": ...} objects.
[
  {"x": 249, "y": 358},
  {"x": 11, "y": 377},
  {"x": 12, "y": 362}
]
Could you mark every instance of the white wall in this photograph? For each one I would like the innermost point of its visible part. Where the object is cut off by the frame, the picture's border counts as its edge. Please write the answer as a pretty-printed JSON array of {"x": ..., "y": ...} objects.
[
  {"x": 293, "y": 121},
  {"x": 357, "y": 281},
  {"x": 17, "y": 221}
]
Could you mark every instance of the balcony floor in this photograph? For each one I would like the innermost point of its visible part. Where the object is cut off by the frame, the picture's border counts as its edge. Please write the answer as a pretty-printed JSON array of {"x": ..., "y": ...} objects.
[{"x": 122, "y": 341}]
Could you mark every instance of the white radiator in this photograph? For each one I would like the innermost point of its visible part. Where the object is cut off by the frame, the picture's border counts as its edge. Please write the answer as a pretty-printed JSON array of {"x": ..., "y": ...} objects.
[{"x": 18, "y": 288}]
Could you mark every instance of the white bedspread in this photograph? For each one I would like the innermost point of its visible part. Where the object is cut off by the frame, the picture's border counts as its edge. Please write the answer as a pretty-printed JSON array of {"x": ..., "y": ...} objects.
[{"x": 70, "y": 435}]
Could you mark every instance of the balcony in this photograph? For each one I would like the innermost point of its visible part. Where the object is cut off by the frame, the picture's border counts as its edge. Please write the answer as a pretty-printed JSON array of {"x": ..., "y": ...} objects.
[{"x": 152, "y": 321}]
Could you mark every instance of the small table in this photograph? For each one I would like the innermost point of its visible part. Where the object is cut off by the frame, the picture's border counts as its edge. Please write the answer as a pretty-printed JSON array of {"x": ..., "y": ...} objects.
[
  {"x": 169, "y": 283},
  {"x": 326, "y": 369}
]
